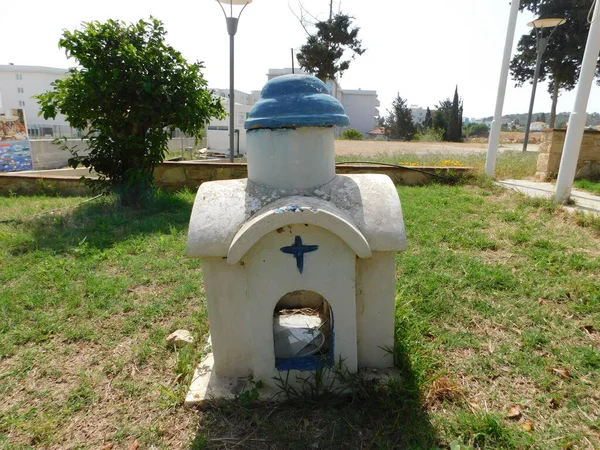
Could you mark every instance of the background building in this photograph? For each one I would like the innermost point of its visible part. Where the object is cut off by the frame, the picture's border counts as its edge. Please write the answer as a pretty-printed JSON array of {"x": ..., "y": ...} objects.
[
  {"x": 217, "y": 132},
  {"x": 362, "y": 108},
  {"x": 18, "y": 86},
  {"x": 418, "y": 113}
]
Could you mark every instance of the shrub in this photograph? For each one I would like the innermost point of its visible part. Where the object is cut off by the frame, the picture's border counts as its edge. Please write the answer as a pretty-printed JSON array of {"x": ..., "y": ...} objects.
[
  {"x": 430, "y": 135},
  {"x": 352, "y": 135},
  {"x": 477, "y": 130}
]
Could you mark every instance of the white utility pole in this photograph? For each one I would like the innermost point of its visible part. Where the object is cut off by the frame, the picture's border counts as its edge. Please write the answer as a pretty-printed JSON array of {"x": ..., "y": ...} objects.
[
  {"x": 490, "y": 162},
  {"x": 570, "y": 155}
]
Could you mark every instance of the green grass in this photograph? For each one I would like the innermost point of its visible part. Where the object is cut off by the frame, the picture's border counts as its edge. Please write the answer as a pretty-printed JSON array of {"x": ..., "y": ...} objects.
[
  {"x": 497, "y": 305},
  {"x": 588, "y": 185},
  {"x": 510, "y": 164}
]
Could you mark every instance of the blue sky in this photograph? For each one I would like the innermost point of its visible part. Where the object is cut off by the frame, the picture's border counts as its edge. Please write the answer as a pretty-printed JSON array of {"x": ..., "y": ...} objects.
[{"x": 418, "y": 48}]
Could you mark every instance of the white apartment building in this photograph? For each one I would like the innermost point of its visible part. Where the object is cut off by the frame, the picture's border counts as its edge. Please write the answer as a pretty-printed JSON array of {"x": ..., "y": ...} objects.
[
  {"x": 18, "y": 85},
  {"x": 362, "y": 108},
  {"x": 418, "y": 113}
]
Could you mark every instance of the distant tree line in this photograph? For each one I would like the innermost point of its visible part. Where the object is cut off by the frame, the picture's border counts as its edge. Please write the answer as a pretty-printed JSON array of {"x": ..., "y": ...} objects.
[
  {"x": 593, "y": 119},
  {"x": 446, "y": 123}
]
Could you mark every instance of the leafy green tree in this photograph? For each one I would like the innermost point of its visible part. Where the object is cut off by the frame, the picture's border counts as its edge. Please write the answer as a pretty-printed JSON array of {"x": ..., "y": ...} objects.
[
  {"x": 480, "y": 129},
  {"x": 323, "y": 53},
  {"x": 562, "y": 59},
  {"x": 399, "y": 122},
  {"x": 428, "y": 121},
  {"x": 541, "y": 118},
  {"x": 129, "y": 93}
]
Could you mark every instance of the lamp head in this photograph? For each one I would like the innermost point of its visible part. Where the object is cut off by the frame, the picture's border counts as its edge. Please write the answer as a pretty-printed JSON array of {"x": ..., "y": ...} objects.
[
  {"x": 235, "y": 2},
  {"x": 547, "y": 23}
]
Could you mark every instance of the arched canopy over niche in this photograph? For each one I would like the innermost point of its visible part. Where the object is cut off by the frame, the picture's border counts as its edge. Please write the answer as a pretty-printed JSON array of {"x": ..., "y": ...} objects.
[{"x": 273, "y": 219}]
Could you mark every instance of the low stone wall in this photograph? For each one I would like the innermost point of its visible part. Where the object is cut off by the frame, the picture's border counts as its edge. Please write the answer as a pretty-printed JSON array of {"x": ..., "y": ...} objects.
[
  {"x": 37, "y": 184},
  {"x": 548, "y": 163},
  {"x": 173, "y": 176}
]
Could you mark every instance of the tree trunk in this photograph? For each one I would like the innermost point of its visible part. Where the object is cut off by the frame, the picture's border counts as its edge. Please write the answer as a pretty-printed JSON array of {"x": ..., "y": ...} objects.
[
  {"x": 330, "y": 10},
  {"x": 554, "y": 103}
]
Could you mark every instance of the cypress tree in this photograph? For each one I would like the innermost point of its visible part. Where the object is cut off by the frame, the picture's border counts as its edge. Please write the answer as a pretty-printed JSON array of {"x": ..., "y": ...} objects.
[
  {"x": 428, "y": 122},
  {"x": 454, "y": 133}
]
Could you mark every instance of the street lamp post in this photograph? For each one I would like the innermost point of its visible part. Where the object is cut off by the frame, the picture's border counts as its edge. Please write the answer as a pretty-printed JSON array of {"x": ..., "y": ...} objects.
[
  {"x": 232, "y": 24},
  {"x": 542, "y": 42}
]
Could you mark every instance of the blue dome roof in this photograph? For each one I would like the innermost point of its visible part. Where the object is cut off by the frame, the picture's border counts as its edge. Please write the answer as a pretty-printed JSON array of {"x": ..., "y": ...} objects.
[{"x": 291, "y": 101}]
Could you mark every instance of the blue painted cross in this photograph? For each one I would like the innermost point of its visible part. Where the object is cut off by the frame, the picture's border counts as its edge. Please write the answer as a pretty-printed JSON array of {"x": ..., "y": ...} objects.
[{"x": 298, "y": 250}]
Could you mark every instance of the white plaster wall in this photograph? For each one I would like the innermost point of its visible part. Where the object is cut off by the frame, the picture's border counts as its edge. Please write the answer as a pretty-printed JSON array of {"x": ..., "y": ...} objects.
[
  {"x": 229, "y": 317},
  {"x": 303, "y": 158},
  {"x": 376, "y": 309},
  {"x": 329, "y": 271}
]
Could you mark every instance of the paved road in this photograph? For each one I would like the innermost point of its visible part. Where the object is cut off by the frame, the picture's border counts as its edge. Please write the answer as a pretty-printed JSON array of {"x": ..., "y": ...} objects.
[{"x": 388, "y": 147}]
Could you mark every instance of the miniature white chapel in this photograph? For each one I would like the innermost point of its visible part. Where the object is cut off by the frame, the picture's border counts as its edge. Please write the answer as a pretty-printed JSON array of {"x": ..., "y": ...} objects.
[{"x": 298, "y": 262}]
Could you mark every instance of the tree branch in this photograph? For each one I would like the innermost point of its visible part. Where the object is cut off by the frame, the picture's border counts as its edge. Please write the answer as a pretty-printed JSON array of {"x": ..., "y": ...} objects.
[{"x": 301, "y": 18}]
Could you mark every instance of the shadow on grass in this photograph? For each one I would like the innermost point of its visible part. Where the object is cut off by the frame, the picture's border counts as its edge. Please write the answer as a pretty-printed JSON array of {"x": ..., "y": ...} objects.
[
  {"x": 374, "y": 416},
  {"x": 102, "y": 223}
]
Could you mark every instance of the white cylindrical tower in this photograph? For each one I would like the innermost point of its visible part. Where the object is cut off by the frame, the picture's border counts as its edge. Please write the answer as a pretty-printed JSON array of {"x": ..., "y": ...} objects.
[{"x": 290, "y": 134}]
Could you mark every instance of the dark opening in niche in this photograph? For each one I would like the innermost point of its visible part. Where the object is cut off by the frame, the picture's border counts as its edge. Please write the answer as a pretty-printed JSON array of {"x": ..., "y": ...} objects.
[{"x": 303, "y": 331}]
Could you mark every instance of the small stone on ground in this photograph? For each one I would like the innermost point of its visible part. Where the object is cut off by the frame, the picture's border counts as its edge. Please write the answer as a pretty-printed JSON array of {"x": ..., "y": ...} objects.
[{"x": 180, "y": 338}]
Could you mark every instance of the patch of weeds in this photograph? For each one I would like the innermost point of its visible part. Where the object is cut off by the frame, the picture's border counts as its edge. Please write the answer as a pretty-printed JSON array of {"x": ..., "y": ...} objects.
[
  {"x": 510, "y": 216},
  {"x": 143, "y": 353},
  {"x": 250, "y": 393},
  {"x": 26, "y": 363},
  {"x": 113, "y": 366},
  {"x": 485, "y": 431},
  {"x": 130, "y": 388},
  {"x": 544, "y": 204},
  {"x": 534, "y": 339},
  {"x": 81, "y": 397},
  {"x": 42, "y": 429},
  {"x": 588, "y": 221},
  {"x": 199, "y": 442},
  {"x": 579, "y": 262},
  {"x": 521, "y": 236},
  {"x": 587, "y": 358},
  {"x": 592, "y": 186},
  {"x": 187, "y": 359},
  {"x": 487, "y": 277},
  {"x": 81, "y": 333},
  {"x": 470, "y": 239}
]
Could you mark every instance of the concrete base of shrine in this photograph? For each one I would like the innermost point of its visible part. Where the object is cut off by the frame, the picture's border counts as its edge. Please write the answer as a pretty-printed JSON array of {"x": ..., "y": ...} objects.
[{"x": 207, "y": 386}]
